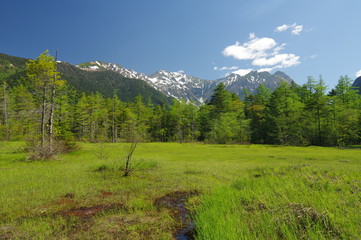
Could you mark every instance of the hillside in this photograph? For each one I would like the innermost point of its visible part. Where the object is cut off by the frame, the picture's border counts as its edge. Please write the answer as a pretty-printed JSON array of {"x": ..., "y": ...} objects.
[
  {"x": 182, "y": 86},
  {"x": 357, "y": 84},
  {"x": 104, "y": 82},
  {"x": 161, "y": 87}
]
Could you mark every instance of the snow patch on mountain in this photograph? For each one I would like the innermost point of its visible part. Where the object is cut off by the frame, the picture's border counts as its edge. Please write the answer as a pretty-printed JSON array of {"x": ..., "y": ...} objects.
[{"x": 182, "y": 86}]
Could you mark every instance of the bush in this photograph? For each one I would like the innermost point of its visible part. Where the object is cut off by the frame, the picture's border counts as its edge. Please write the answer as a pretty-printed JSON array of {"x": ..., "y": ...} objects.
[{"x": 46, "y": 152}]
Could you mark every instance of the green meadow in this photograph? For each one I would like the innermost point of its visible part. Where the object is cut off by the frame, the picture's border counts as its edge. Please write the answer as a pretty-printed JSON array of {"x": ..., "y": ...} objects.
[{"x": 233, "y": 192}]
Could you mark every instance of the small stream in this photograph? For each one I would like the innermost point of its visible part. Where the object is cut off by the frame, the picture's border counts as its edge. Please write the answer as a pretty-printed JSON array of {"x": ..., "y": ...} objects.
[
  {"x": 176, "y": 202},
  {"x": 187, "y": 233}
]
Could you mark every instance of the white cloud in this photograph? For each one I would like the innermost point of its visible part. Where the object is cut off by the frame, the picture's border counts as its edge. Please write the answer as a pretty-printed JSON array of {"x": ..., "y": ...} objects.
[
  {"x": 261, "y": 44},
  {"x": 181, "y": 71},
  {"x": 276, "y": 50},
  {"x": 358, "y": 74},
  {"x": 282, "y": 28},
  {"x": 252, "y": 35},
  {"x": 243, "y": 72},
  {"x": 295, "y": 29},
  {"x": 225, "y": 68},
  {"x": 265, "y": 70},
  {"x": 255, "y": 48},
  {"x": 281, "y": 60},
  {"x": 263, "y": 53}
]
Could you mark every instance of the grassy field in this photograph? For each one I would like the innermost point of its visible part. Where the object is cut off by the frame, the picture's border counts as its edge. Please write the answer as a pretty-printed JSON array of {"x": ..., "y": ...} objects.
[{"x": 254, "y": 191}]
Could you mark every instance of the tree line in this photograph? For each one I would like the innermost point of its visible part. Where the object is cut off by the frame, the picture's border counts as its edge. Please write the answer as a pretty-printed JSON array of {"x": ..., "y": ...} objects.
[{"x": 44, "y": 107}]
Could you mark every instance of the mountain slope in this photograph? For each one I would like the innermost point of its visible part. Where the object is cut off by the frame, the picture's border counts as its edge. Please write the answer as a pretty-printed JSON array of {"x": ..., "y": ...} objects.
[
  {"x": 104, "y": 82},
  {"x": 180, "y": 86},
  {"x": 189, "y": 88},
  {"x": 239, "y": 84},
  {"x": 160, "y": 87},
  {"x": 173, "y": 84},
  {"x": 357, "y": 84}
]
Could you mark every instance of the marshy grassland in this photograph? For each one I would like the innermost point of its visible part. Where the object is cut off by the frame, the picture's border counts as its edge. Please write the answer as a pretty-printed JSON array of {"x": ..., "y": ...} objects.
[{"x": 232, "y": 192}]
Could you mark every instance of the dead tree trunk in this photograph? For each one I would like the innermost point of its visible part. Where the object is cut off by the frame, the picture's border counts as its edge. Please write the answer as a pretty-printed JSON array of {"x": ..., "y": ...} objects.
[
  {"x": 51, "y": 118},
  {"x": 52, "y": 106},
  {"x": 113, "y": 121},
  {"x": 43, "y": 116},
  {"x": 6, "y": 116},
  {"x": 128, "y": 158}
]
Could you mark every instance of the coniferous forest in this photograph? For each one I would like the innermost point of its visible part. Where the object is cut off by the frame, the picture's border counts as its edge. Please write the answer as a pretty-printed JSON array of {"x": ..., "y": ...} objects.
[{"x": 39, "y": 105}]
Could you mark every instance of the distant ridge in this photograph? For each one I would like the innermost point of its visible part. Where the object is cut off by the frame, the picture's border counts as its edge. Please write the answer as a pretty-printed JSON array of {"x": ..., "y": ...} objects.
[
  {"x": 104, "y": 82},
  {"x": 182, "y": 86},
  {"x": 160, "y": 87},
  {"x": 357, "y": 84}
]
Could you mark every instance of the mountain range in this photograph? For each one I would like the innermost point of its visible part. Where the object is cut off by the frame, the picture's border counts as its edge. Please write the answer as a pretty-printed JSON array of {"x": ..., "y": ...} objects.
[
  {"x": 182, "y": 86},
  {"x": 160, "y": 87}
]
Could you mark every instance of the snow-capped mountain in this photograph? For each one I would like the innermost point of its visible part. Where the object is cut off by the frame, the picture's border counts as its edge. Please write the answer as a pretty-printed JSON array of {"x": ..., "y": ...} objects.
[
  {"x": 182, "y": 86},
  {"x": 237, "y": 84},
  {"x": 101, "y": 66},
  {"x": 172, "y": 84},
  {"x": 179, "y": 85}
]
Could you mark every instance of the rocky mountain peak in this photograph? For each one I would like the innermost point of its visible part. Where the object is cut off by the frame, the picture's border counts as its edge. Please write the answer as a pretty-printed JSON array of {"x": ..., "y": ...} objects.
[{"x": 182, "y": 86}]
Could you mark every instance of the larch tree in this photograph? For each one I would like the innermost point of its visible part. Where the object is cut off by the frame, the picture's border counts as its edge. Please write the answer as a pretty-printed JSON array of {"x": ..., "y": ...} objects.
[{"x": 42, "y": 72}]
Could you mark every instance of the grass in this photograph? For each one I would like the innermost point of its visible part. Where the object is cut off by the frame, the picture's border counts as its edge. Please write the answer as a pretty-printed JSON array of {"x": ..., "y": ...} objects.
[
  {"x": 39, "y": 199},
  {"x": 295, "y": 202}
]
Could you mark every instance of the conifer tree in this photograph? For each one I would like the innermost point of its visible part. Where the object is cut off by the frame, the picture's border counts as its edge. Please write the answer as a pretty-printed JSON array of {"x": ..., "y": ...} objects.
[{"x": 45, "y": 78}]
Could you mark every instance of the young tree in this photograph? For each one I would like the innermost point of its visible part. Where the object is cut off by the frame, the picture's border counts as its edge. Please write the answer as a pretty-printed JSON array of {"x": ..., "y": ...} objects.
[
  {"x": 183, "y": 121},
  {"x": 6, "y": 69},
  {"x": 204, "y": 122},
  {"x": 142, "y": 115},
  {"x": 24, "y": 115},
  {"x": 316, "y": 111},
  {"x": 45, "y": 78},
  {"x": 257, "y": 113},
  {"x": 159, "y": 127},
  {"x": 220, "y": 100},
  {"x": 285, "y": 116},
  {"x": 345, "y": 112}
]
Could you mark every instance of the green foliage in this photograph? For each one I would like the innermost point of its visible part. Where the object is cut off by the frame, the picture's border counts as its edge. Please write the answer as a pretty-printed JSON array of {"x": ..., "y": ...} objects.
[
  {"x": 105, "y": 82},
  {"x": 182, "y": 123},
  {"x": 112, "y": 108},
  {"x": 228, "y": 128},
  {"x": 220, "y": 101},
  {"x": 36, "y": 196},
  {"x": 294, "y": 202}
]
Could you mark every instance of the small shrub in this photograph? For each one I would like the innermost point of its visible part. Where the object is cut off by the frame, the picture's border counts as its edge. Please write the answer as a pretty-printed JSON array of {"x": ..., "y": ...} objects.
[
  {"x": 140, "y": 164},
  {"x": 137, "y": 165},
  {"x": 16, "y": 149},
  {"x": 38, "y": 152},
  {"x": 46, "y": 152},
  {"x": 102, "y": 167},
  {"x": 102, "y": 155}
]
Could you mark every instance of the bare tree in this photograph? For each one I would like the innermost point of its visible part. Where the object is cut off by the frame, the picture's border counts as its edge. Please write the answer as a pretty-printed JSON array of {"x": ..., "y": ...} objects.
[
  {"x": 128, "y": 158},
  {"x": 5, "y": 110},
  {"x": 114, "y": 135},
  {"x": 52, "y": 104}
]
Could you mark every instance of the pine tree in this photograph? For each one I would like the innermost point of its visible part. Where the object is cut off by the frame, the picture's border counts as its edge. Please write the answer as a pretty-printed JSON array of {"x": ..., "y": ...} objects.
[
  {"x": 24, "y": 115},
  {"x": 257, "y": 113},
  {"x": 345, "y": 113},
  {"x": 220, "y": 100},
  {"x": 45, "y": 78},
  {"x": 285, "y": 116}
]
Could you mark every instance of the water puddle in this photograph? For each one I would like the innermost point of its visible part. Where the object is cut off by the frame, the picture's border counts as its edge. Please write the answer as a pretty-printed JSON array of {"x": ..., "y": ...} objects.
[{"x": 176, "y": 203}]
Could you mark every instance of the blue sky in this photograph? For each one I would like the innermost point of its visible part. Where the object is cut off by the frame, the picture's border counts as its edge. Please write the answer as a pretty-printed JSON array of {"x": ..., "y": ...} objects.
[{"x": 203, "y": 38}]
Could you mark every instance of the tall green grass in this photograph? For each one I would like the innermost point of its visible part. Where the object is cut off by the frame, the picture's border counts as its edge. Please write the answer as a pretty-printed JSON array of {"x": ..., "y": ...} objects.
[
  {"x": 295, "y": 202},
  {"x": 31, "y": 192}
]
